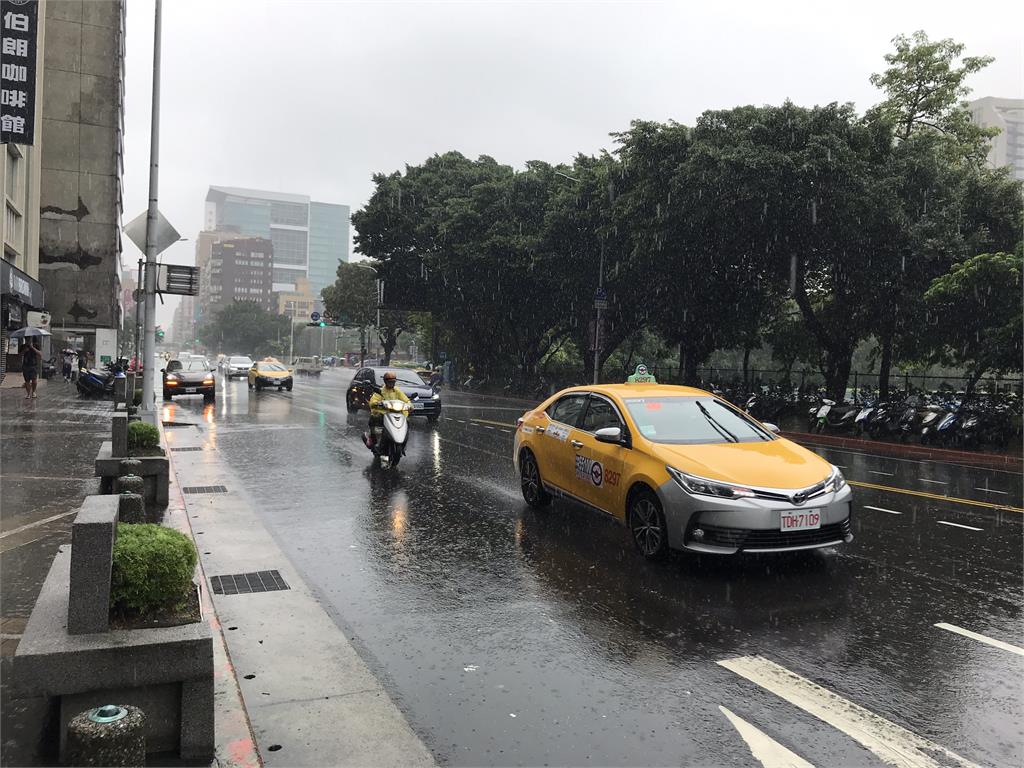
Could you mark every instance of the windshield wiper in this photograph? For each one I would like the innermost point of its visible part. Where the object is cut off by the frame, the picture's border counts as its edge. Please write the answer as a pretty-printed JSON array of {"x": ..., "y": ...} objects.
[{"x": 720, "y": 429}]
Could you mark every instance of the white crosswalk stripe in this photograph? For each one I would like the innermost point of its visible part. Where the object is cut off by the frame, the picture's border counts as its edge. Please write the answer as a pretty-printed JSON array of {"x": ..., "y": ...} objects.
[
  {"x": 891, "y": 743},
  {"x": 763, "y": 747}
]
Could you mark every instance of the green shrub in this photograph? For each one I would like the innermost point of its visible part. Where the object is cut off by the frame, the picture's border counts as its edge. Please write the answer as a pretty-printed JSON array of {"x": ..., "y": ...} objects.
[
  {"x": 142, "y": 435},
  {"x": 137, "y": 397},
  {"x": 153, "y": 568}
]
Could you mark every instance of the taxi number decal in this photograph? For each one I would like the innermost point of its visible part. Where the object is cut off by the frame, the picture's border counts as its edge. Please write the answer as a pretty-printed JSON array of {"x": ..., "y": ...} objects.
[
  {"x": 527, "y": 430},
  {"x": 588, "y": 469},
  {"x": 558, "y": 432},
  {"x": 611, "y": 477}
]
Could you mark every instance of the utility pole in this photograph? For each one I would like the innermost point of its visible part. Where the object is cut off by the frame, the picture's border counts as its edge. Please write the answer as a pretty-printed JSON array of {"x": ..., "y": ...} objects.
[
  {"x": 597, "y": 322},
  {"x": 148, "y": 395}
]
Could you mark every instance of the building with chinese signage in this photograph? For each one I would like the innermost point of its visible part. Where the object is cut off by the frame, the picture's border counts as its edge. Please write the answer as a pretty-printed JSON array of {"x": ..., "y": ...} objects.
[
  {"x": 81, "y": 137},
  {"x": 310, "y": 238}
]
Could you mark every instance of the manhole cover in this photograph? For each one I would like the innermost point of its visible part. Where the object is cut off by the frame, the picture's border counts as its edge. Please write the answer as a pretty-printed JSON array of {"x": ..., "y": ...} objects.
[
  {"x": 205, "y": 489},
  {"x": 245, "y": 583}
]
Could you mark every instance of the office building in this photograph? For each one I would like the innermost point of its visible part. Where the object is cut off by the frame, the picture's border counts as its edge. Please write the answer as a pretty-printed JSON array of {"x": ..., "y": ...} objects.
[
  {"x": 183, "y": 323},
  {"x": 1007, "y": 148},
  {"x": 310, "y": 238},
  {"x": 241, "y": 270}
]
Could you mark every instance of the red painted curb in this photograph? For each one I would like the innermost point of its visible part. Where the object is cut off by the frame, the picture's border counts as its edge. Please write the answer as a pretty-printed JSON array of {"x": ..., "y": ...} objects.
[{"x": 996, "y": 460}]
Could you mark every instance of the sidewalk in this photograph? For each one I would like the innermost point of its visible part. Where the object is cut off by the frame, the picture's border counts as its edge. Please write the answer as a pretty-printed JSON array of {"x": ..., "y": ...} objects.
[
  {"x": 47, "y": 448},
  {"x": 309, "y": 698}
]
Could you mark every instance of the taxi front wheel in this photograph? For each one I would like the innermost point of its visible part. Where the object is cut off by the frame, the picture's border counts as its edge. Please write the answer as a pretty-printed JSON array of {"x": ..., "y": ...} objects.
[
  {"x": 533, "y": 489},
  {"x": 647, "y": 525}
]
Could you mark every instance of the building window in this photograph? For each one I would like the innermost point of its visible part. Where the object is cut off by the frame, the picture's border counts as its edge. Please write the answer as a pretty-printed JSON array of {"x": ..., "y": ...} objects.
[{"x": 12, "y": 227}]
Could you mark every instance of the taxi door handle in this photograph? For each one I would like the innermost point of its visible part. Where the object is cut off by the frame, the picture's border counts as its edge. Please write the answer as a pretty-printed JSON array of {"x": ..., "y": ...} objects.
[
  {"x": 576, "y": 444},
  {"x": 542, "y": 430}
]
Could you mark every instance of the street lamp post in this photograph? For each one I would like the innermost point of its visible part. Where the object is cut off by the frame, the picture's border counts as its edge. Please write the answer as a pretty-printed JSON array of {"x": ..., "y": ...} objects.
[{"x": 149, "y": 341}]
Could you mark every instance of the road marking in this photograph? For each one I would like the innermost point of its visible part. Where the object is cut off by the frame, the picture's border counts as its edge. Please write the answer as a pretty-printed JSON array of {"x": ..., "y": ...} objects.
[
  {"x": 887, "y": 474},
  {"x": 991, "y": 490},
  {"x": 981, "y": 638},
  {"x": 882, "y": 509},
  {"x": 937, "y": 497},
  {"x": 763, "y": 747},
  {"x": 891, "y": 743},
  {"x": 958, "y": 525},
  {"x": 936, "y": 482},
  {"x": 495, "y": 423},
  {"x": 36, "y": 524},
  {"x": 829, "y": 448}
]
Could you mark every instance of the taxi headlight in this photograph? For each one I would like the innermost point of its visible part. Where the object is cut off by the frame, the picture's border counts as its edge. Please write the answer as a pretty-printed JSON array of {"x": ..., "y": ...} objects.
[
  {"x": 836, "y": 482},
  {"x": 701, "y": 486}
]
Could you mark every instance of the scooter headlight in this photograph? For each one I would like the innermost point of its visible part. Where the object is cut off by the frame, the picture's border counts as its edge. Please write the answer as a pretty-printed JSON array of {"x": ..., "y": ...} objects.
[{"x": 701, "y": 486}]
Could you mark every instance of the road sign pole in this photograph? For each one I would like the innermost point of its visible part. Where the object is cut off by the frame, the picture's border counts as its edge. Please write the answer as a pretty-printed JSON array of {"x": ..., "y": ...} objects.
[
  {"x": 597, "y": 324},
  {"x": 149, "y": 341}
]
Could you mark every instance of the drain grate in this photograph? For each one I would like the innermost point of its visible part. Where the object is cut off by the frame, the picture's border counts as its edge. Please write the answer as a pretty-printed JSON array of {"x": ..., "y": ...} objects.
[
  {"x": 245, "y": 583},
  {"x": 189, "y": 448},
  {"x": 178, "y": 424},
  {"x": 205, "y": 489}
]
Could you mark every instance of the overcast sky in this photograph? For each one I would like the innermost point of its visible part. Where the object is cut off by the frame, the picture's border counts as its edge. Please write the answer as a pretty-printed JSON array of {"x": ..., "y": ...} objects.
[{"x": 314, "y": 96}]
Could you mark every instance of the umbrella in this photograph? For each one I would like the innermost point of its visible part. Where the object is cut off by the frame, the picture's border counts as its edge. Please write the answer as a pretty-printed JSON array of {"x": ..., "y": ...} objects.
[{"x": 22, "y": 333}]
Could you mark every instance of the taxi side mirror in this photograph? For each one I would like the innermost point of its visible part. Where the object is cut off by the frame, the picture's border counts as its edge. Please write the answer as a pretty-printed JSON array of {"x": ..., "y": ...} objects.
[
  {"x": 611, "y": 435},
  {"x": 770, "y": 427}
]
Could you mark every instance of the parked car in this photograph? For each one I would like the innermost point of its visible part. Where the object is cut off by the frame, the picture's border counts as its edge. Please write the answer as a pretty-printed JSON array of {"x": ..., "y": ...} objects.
[
  {"x": 426, "y": 401},
  {"x": 189, "y": 377}
]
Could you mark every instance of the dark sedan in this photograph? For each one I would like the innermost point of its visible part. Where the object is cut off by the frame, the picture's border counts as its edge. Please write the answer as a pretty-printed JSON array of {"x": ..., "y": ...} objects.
[
  {"x": 425, "y": 400},
  {"x": 189, "y": 377}
]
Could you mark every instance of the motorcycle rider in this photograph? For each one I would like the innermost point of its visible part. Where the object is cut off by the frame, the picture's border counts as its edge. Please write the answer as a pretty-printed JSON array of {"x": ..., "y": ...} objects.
[{"x": 388, "y": 392}]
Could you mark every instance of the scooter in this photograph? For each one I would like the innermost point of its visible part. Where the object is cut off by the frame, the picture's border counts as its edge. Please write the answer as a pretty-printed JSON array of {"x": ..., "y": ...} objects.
[
  {"x": 389, "y": 441},
  {"x": 95, "y": 383}
]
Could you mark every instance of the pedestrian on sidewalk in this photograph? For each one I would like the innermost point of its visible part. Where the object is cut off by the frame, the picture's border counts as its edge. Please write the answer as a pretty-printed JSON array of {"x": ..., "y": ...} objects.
[
  {"x": 68, "y": 361},
  {"x": 31, "y": 362}
]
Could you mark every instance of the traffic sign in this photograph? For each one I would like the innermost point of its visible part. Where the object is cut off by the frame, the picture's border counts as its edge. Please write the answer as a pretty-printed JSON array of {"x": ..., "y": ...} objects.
[
  {"x": 600, "y": 299},
  {"x": 314, "y": 316}
]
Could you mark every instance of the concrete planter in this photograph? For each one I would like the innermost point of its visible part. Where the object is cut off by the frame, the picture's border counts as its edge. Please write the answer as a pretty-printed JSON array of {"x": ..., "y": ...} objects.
[
  {"x": 155, "y": 471},
  {"x": 70, "y": 656}
]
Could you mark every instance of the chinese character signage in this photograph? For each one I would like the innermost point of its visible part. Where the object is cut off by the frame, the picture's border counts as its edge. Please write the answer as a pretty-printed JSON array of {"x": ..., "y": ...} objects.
[{"x": 18, "y": 25}]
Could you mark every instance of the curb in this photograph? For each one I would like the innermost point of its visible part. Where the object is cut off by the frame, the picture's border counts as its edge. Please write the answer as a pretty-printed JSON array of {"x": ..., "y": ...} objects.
[
  {"x": 235, "y": 744},
  {"x": 920, "y": 452}
]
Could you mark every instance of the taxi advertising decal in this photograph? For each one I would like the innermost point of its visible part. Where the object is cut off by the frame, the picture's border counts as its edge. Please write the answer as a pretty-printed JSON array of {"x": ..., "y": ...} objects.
[
  {"x": 559, "y": 432},
  {"x": 588, "y": 469}
]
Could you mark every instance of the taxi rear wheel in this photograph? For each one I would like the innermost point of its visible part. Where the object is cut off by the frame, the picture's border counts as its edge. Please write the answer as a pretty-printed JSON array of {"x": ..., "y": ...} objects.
[
  {"x": 533, "y": 488},
  {"x": 647, "y": 525}
]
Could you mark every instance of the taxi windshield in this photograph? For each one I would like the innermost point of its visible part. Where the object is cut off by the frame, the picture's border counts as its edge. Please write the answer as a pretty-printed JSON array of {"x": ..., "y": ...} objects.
[
  {"x": 271, "y": 367},
  {"x": 692, "y": 420}
]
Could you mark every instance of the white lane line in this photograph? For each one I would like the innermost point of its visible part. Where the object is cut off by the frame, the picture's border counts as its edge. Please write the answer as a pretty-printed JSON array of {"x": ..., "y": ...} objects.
[
  {"x": 763, "y": 747},
  {"x": 936, "y": 482},
  {"x": 958, "y": 525},
  {"x": 981, "y": 638},
  {"x": 991, "y": 490},
  {"x": 887, "y": 474},
  {"x": 488, "y": 426},
  {"x": 37, "y": 523},
  {"x": 882, "y": 509},
  {"x": 891, "y": 743}
]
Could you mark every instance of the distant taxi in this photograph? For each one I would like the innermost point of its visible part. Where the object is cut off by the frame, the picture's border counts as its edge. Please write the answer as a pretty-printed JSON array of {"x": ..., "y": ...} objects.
[
  {"x": 682, "y": 469},
  {"x": 270, "y": 373}
]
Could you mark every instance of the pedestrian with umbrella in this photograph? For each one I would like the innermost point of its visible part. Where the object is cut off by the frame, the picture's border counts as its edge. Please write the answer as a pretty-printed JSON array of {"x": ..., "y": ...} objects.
[{"x": 31, "y": 358}]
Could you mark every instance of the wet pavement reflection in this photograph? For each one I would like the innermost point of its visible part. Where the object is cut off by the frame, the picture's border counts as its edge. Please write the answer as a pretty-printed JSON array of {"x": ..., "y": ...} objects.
[{"x": 510, "y": 636}]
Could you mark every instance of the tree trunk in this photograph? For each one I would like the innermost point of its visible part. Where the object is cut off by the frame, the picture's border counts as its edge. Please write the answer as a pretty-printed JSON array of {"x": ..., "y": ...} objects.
[
  {"x": 687, "y": 365},
  {"x": 885, "y": 368},
  {"x": 837, "y": 372}
]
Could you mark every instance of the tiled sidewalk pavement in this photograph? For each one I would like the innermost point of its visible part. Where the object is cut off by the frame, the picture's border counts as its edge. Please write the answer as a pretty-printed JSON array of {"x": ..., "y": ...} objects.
[{"x": 47, "y": 448}]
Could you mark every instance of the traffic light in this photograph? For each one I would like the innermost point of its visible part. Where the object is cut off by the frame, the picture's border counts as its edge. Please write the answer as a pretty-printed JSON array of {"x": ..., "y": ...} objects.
[
  {"x": 323, "y": 324},
  {"x": 159, "y": 334}
]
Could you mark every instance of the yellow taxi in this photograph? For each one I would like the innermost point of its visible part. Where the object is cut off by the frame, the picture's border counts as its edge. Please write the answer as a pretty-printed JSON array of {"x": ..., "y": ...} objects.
[
  {"x": 682, "y": 469},
  {"x": 270, "y": 372}
]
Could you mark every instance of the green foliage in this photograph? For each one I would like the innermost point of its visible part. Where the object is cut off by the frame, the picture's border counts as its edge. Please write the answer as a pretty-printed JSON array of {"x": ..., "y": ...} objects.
[
  {"x": 137, "y": 398},
  {"x": 152, "y": 568},
  {"x": 244, "y": 327},
  {"x": 142, "y": 435},
  {"x": 975, "y": 309}
]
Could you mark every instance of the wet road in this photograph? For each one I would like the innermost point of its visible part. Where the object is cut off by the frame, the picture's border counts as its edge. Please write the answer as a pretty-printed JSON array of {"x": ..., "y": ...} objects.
[{"x": 514, "y": 637}]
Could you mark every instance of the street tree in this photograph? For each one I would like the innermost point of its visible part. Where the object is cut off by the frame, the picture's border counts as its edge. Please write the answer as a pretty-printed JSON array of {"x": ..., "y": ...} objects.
[
  {"x": 244, "y": 327},
  {"x": 976, "y": 315}
]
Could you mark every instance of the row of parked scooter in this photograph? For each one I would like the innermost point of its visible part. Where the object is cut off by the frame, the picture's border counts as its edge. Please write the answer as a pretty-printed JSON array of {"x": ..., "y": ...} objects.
[
  {"x": 99, "y": 382},
  {"x": 946, "y": 419}
]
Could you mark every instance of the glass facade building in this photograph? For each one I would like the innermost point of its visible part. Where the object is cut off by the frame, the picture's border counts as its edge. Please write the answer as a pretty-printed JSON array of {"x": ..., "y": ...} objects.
[{"x": 309, "y": 238}]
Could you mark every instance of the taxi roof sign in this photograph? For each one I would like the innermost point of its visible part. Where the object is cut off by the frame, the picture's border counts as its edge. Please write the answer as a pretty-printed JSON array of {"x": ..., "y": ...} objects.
[{"x": 641, "y": 376}]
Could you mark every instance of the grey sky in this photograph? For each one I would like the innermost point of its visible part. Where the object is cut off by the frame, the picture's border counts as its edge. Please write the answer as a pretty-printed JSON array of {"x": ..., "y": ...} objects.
[{"x": 314, "y": 96}]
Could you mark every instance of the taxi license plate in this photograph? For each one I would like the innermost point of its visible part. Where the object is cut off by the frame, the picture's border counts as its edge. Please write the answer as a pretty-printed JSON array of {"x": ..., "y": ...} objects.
[
  {"x": 190, "y": 390},
  {"x": 417, "y": 406},
  {"x": 804, "y": 520}
]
